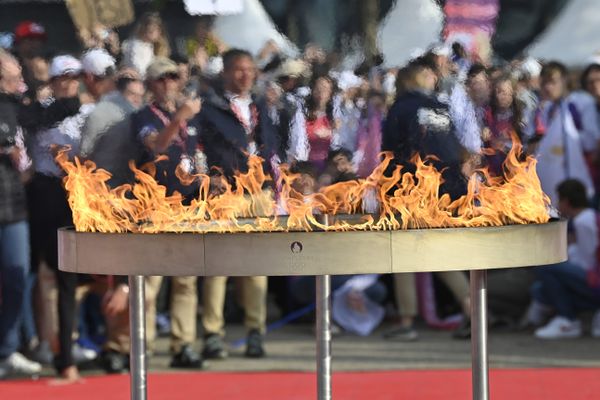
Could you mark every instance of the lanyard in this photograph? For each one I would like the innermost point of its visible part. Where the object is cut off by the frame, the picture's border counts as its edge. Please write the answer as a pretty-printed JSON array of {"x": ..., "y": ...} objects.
[{"x": 182, "y": 134}]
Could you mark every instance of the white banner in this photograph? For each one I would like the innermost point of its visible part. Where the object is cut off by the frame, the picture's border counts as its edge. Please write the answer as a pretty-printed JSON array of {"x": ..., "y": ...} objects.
[{"x": 214, "y": 7}]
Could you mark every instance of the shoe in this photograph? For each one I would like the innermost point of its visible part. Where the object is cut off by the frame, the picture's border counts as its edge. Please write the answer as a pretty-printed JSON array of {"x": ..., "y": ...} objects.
[
  {"x": 163, "y": 325},
  {"x": 82, "y": 355},
  {"x": 254, "y": 345},
  {"x": 596, "y": 325},
  {"x": 214, "y": 348},
  {"x": 42, "y": 354},
  {"x": 113, "y": 362},
  {"x": 402, "y": 333},
  {"x": 559, "y": 328},
  {"x": 464, "y": 329},
  {"x": 187, "y": 358},
  {"x": 536, "y": 314},
  {"x": 17, "y": 364}
]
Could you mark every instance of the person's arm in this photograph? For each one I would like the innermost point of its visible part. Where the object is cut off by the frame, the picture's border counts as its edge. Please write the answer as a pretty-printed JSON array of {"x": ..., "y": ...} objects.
[
  {"x": 158, "y": 142},
  {"x": 34, "y": 116}
]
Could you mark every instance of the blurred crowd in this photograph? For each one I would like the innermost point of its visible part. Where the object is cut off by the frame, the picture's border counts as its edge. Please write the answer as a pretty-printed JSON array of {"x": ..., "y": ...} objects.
[{"x": 208, "y": 107}]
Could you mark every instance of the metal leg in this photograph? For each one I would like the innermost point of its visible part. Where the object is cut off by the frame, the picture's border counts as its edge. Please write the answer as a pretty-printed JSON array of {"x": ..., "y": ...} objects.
[
  {"x": 479, "y": 335},
  {"x": 323, "y": 290},
  {"x": 137, "y": 324}
]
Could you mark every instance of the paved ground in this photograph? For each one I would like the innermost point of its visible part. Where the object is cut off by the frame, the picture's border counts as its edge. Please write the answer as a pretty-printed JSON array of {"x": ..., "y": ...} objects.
[{"x": 292, "y": 349}]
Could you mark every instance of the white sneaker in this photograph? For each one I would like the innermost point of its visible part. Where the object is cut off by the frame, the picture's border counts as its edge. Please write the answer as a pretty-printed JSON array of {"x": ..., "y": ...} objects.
[
  {"x": 560, "y": 328},
  {"x": 17, "y": 364},
  {"x": 596, "y": 325},
  {"x": 82, "y": 354},
  {"x": 536, "y": 314}
]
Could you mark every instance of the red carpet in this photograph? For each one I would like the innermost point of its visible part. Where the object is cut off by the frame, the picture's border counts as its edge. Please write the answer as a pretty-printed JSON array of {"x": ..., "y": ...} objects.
[{"x": 530, "y": 384}]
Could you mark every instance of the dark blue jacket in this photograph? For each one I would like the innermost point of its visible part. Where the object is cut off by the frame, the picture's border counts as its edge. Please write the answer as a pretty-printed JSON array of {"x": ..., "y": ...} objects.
[
  {"x": 224, "y": 138},
  {"x": 418, "y": 123}
]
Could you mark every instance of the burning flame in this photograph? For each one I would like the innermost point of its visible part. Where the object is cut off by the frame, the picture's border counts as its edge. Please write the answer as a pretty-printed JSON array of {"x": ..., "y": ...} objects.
[{"x": 379, "y": 202}]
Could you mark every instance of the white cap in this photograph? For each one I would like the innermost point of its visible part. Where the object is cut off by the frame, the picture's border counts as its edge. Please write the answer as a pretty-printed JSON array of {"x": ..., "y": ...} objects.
[
  {"x": 531, "y": 67},
  {"x": 64, "y": 65},
  {"x": 98, "y": 62}
]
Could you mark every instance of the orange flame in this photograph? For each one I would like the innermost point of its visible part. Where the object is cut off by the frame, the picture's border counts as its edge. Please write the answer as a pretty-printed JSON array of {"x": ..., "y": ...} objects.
[{"x": 379, "y": 202}]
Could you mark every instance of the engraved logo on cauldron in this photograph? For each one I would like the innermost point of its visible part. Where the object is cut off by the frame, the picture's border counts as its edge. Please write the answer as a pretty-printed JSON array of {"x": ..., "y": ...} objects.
[{"x": 296, "y": 247}]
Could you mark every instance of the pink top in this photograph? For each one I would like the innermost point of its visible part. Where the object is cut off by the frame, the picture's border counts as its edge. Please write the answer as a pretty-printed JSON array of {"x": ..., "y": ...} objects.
[{"x": 319, "y": 133}]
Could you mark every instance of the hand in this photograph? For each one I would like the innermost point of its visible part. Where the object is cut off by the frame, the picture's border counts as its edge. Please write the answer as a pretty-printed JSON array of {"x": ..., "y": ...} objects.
[
  {"x": 43, "y": 93},
  {"x": 188, "y": 109},
  {"x": 200, "y": 58},
  {"x": 113, "y": 42},
  {"x": 15, "y": 154},
  {"x": 116, "y": 301}
]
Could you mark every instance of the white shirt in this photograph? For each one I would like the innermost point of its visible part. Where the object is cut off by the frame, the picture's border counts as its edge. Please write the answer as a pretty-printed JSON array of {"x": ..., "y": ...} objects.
[
  {"x": 560, "y": 152},
  {"x": 466, "y": 119},
  {"x": 586, "y": 106},
  {"x": 241, "y": 107},
  {"x": 583, "y": 251}
]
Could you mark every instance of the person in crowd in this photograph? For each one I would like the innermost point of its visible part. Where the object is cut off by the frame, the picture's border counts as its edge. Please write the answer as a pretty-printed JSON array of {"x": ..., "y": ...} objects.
[
  {"x": 467, "y": 108},
  {"x": 163, "y": 127},
  {"x": 528, "y": 85},
  {"x": 504, "y": 122},
  {"x": 30, "y": 39},
  {"x": 149, "y": 40},
  {"x": 41, "y": 111},
  {"x": 106, "y": 137},
  {"x": 349, "y": 106},
  {"x": 235, "y": 125},
  {"x": 273, "y": 96},
  {"x": 369, "y": 135},
  {"x": 563, "y": 289},
  {"x": 418, "y": 123},
  {"x": 560, "y": 147},
  {"x": 289, "y": 77},
  {"x": 115, "y": 146},
  {"x": 204, "y": 44},
  {"x": 314, "y": 127},
  {"x": 101, "y": 37},
  {"x": 590, "y": 82},
  {"x": 405, "y": 289},
  {"x": 14, "y": 228},
  {"x": 47, "y": 199}
]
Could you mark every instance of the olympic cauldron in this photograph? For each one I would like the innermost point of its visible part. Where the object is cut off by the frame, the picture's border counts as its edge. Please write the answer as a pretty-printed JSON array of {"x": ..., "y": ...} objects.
[{"x": 322, "y": 245}]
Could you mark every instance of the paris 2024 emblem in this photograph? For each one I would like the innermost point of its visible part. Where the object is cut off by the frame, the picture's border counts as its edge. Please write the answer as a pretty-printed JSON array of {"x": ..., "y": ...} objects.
[{"x": 296, "y": 247}]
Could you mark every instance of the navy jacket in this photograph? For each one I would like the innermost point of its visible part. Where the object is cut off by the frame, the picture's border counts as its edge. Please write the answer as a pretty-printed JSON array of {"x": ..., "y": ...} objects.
[
  {"x": 224, "y": 138},
  {"x": 418, "y": 123}
]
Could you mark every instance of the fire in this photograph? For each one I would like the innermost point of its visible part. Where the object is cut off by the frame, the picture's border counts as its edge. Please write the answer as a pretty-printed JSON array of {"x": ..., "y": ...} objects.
[{"x": 379, "y": 202}]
